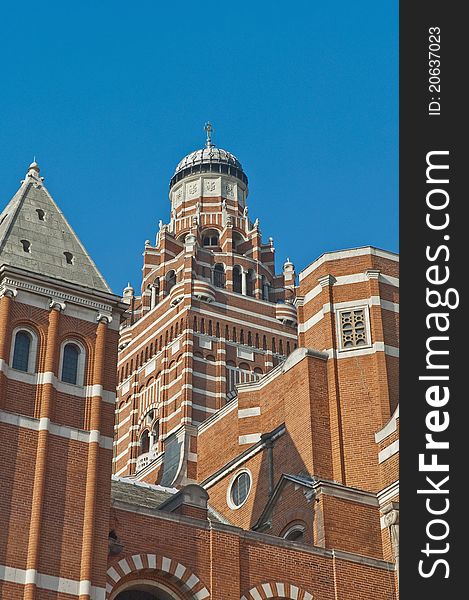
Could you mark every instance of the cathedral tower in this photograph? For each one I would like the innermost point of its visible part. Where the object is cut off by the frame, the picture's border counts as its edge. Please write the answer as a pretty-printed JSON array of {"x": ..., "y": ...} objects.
[{"x": 211, "y": 313}]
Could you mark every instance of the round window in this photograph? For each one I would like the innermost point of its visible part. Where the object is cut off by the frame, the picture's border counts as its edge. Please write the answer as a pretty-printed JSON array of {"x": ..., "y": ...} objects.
[{"x": 239, "y": 489}]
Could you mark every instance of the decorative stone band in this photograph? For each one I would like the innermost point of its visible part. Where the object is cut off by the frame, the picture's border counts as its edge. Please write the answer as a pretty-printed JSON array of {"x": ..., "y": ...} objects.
[
  {"x": 71, "y": 433},
  {"x": 371, "y": 301},
  {"x": 88, "y": 391},
  {"x": 174, "y": 570},
  {"x": 51, "y": 583},
  {"x": 347, "y": 280},
  {"x": 354, "y": 252},
  {"x": 376, "y": 347},
  {"x": 388, "y": 451},
  {"x": 17, "y": 285},
  {"x": 277, "y": 590}
]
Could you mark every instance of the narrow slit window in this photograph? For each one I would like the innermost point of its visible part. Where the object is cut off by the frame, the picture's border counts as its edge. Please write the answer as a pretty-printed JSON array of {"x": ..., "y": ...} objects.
[
  {"x": 26, "y": 246},
  {"x": 41, "y": 215},
  {"x": 68, "y": 258}
]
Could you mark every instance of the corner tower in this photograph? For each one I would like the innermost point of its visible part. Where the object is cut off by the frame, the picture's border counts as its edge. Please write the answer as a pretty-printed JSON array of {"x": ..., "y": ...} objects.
[
  {"x": 59, "y": 327},
  {"x": 211, "y": 313}
]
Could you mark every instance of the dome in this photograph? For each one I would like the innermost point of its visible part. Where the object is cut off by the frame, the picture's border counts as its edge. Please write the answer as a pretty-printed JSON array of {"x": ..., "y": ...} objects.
[
  {"x": 212, "y": 154},
  {"x": 209, "y": 160}
]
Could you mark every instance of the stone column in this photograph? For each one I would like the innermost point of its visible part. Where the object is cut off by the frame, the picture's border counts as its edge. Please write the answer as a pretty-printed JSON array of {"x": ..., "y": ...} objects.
[
  {"x": 6, "y": 297},
  {"x": 153, "y": 297},
  {"x": 45, "y": 412},
  {"x": 89, "y": 512},
  {"x": 244, "y": 275},
  {"x": 330, "y": 341}
]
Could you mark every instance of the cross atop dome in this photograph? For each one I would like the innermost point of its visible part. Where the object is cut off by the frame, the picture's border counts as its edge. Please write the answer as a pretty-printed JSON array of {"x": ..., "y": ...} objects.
[{"x": 208, "y": 128}]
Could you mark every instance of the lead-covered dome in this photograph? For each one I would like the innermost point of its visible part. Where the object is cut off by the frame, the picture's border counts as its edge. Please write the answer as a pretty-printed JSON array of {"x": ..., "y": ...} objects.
[
  {"x": 211, "y": 154},
  {"x": 208, "y": 160}
]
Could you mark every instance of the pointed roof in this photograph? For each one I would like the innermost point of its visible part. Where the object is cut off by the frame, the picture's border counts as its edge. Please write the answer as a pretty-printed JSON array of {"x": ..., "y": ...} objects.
[{"x": 35, "y": 236}]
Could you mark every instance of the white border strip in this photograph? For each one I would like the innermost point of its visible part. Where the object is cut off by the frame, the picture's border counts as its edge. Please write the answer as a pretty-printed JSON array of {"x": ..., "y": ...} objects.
[
  {"x": 70, "y": 433},
  {"x": 352, "y": 252}
]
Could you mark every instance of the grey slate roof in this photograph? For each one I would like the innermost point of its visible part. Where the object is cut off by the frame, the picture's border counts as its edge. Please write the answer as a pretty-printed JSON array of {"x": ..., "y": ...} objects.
[
  {"x": 139, "y": 494},
  {"x": 145, "y": 495},
  {"x": 48, "y": 239}
]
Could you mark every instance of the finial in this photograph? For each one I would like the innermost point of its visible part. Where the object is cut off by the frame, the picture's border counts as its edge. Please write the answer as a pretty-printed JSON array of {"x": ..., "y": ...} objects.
[
  {"x": 33, "y": 172},
  {"x": 208, "y": 128}
]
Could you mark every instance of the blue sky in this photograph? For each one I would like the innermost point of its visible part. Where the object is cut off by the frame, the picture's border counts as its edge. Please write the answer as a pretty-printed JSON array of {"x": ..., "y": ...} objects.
[{"x": 109, "y": 96}]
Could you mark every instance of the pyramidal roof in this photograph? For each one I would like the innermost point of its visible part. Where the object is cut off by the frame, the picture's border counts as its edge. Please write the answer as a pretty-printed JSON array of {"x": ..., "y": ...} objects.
[{"x": 35, "y": 235}]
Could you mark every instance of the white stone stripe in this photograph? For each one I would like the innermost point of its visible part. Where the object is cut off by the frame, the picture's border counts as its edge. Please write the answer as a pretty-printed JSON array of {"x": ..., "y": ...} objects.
[
  {"x": 220, "y": 414},
  {"x": 255, "y": 594},
  {"x": 249, "y": 412},
  {"x": 64, "y": 431},
  {"x": 348, "y": 280},
  {"x": 49, "y": 378},
  {"x": 165, "y": 564},
  {"x": 267, "y": 590},
  {"x": 329, "y": 256},
  {"x": 124, "y": 452},
  {"x": 388, "y": 451},
  {"x": 124, "y": 565},
  {"x": 149, "y": 328},
  {"x": 192, "y": 581},
  {"x": 151, "y": 558},
  {"x": 391, "y": 306},
  {"x": 371, "y": 301},
  {"x": 250, "y": 438},
  {"x": 43, "y": 378},
  {"x": 280, "y": 589},
  {"x": 376, "y": 347},
  {"x": 50, "y": 582},
  {"x": 137, "y": 561},
  {"x": 246, "y": 324},
  {"x": 202, "y": 594}
]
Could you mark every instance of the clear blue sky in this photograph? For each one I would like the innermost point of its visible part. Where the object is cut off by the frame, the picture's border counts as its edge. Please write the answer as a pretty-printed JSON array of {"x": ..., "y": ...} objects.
[{"x": 109, "y": 96}]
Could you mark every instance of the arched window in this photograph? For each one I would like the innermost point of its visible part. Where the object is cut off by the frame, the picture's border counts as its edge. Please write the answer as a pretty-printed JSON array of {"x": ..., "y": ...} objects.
[
  {"x": 170, "y": 279},
  {"x": 144, "y": 442},
  {"x": 210, "y": 238},
  {"x": 265, "y": 288},
  {"x": 155, "y": 434},
  {"x": 237, "y": 279},
  {"x": 71, "y": 354},
  {"x": 23, "y": 342},
  {"x": 155, "y": 292},
  {"x": 219, "y": 275},
  {"x": 250, "y": 282},
  {"x": 238, "y": 240}
]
